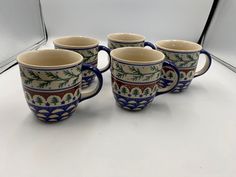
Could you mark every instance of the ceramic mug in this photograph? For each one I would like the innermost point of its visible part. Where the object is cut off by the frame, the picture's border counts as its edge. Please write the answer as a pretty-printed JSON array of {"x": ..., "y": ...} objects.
[
  {"x": 88, "y": 48},
  {"x": 51, "y": 82},
  {"x": 185, "y": 55},
  {"x": 117, "y": 40},
  {"x": 136, "y": 73}
]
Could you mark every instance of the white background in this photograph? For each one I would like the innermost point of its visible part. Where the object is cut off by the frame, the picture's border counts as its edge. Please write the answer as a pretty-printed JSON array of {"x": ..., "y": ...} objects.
[
  {"x": 176, "y": 19},
  {"x": 21, "y": 27},
  {"x": 191, "y": 134},
  {"x": 221, "y": 37}
]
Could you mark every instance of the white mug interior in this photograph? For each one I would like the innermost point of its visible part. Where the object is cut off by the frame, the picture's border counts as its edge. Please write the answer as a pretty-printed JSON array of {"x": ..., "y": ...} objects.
[
  {"x": 178, "y": 46},
  {"x": 137, "y": 55},
  {"x": 53, "y": 58},
  {"x": 76, "y": 42},
  {"x": 126, "y": 37}
]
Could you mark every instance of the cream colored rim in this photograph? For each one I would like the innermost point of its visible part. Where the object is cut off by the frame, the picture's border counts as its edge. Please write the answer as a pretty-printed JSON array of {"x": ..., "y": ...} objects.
[
  {"x": 178, "y": 46},
  {"x": 137, "y": 55},
  {"x": 125, "y": 37},
  {"x": 76, "y": 42},
  {"x": 52, "y": 58}
]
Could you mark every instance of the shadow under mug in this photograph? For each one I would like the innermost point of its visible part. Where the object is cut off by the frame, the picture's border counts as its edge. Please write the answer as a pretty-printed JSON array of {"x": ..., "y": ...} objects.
[
  {"x": 137, "y": 76},
  {"x": 185, "y": 55},
  {"x": 89, "y": 49},
  {"x": 118, "y": 40},
  {"x": 52, "y": 80}
]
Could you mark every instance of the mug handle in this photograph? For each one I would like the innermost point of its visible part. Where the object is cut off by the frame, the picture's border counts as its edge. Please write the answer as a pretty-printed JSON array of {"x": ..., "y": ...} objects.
[
  {"x": 92, "y": 93},
  {"x": 167, "y": 65},
  {"x": 207, "y": 64},
  {"x": 107, "y": 50},
  {"x": 146, "y": 43}
]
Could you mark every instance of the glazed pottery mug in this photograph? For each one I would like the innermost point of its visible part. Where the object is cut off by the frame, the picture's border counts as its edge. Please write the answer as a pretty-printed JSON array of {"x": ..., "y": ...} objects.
[
  {"x": 117, "y": 40},
  {"x": 185, "y": 55},
  {"x": 136, "y": 73},
  {"x": 88, "y": 48},
  {"x": 51, "y": 82}
]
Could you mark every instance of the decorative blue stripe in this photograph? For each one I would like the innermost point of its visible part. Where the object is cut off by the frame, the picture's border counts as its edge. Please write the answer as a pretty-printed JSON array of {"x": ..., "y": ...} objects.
[
  {"x": 182, "y": 85},
  {"x": 137, "y": 64},
  {"x": 45, "y": 116},
  {"x": 125, "y": 42},
  {"x": 132, "y": 104},
  {"x": 77, "y": 48},
  {"x": 138, "y": 83},
  {"x": 48, "y": 69},
  {"x": 52, "y": 90},
  {"x": 158, "y": 48}
]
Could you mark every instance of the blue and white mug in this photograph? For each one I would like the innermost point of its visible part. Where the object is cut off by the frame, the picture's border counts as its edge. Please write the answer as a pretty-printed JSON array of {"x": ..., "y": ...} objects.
[
  {"x": 117, "y": 40},
  {"x": 87, "y": 47},
  {"x": 137, "y": 76},
  {"x": 52, "y": 81},
  {"x": 185, "y": 55}
]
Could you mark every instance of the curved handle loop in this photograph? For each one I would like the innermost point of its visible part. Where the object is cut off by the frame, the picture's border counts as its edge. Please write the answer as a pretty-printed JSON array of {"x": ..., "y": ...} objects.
[
  {"x": 207, "y": 64},
  {"x": 92, "y": 93},
  {"x": 101, "y": 47},
  {"x": 146, "y": 43},
  {"x": 169, "y": 78}
]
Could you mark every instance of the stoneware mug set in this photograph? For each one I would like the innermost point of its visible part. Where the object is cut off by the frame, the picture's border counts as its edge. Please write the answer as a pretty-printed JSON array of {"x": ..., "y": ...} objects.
[{"x": 54, "y": 81}]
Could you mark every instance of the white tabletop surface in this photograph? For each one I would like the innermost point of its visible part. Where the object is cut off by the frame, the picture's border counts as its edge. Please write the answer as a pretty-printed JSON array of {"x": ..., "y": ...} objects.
[{"x": 192, "y": 134}]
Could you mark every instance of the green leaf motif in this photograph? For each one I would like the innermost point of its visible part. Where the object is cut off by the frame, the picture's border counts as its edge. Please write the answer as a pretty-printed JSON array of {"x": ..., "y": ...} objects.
[
  {"x": 62, "y": 84},
  {"x": 124, "y": 90},
  {"x": 54, "y": 100},
  {"x": 75, "y": 80},
  {"x": 146, "y": 92},
  {"x": 51, "y": 75},
  {"x": 88, "y": 55},
  {"x": 112, "y": 45},
  {"x": 69, "y": 74},
  {"x": 33, "y": 75},
  {"x": 189, "y": 60},
  {"x": 135, "y": 92},
  {"x": 192, "y": 63},
  {"x": 121, "y": 73},
  {"x": 68, "y": 97},
  {"x": 148, "y": 77},
  {"x": 136, "y": 78},
  {"x": 39, "y": 100},
  {"x": 134, "y": 73},
  {"x": 44, "y": 84},
  {"x": 154, "y": 68},
  {"x": 28, "y": 81},
  {"x": 50, "y": 78}
]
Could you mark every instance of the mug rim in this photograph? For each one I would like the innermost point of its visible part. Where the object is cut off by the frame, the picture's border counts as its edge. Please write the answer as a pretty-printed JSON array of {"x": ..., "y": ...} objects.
[
  {"x": 197, "y": 46},
  {"x": 67, "y": 46},
  {"x": 111, "y": 37},
  {"x": 161, "y": 59},
  {"x": 77, "y": 56}
]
